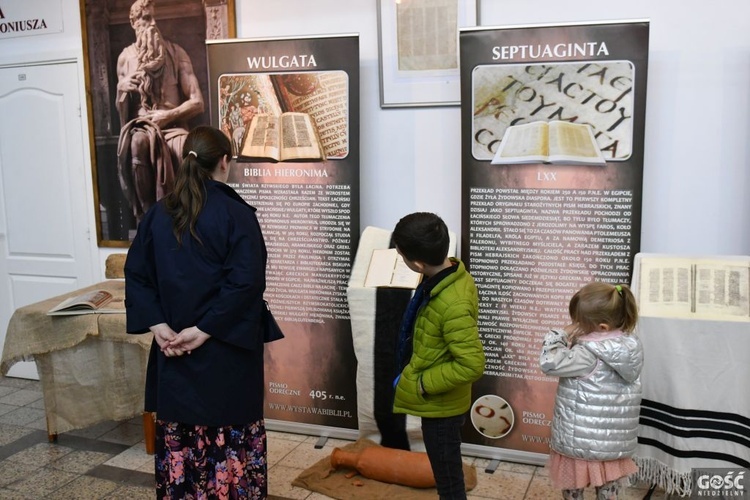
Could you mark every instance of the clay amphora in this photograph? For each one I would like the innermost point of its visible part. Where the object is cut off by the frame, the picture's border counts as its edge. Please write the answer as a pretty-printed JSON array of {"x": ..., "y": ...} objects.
[{"x": 388, "y": 465}]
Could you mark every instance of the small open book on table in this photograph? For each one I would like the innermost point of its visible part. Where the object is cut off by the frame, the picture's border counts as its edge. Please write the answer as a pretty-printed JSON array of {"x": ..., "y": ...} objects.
[
  {"x": 549, "y": 142},
  {"x": 91, "y": 302},
  {"x": 387, "y": 268}
]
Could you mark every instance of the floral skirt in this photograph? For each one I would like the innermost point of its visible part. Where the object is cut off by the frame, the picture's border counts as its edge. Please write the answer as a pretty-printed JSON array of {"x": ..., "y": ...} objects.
[
  {"x": 201, "y": 462},
  {"x": 568, "y": 473}
]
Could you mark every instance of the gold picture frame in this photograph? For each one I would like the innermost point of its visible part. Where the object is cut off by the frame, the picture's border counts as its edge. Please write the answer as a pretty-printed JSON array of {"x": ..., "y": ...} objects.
[{"x": 106, "y": 33}]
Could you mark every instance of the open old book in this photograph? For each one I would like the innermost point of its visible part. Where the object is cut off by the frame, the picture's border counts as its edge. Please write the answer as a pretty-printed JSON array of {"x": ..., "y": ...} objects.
[
  {"x": 695, "y": 288},
  {"x": 92, "y": 302},
  {"x": 287, "y": 137},
  {"x": 306, "y": 115},
  {"x": 387, "y": 268},
  {"x": 549, "y": 142}
]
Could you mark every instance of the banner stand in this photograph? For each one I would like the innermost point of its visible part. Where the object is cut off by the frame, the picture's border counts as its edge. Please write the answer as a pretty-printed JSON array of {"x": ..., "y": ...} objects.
[
  {"x": 553, "y": 128},
  {"x": 504, "y": 454},
  {"x": 321, "y": 431},
  {"x": 306, "y": 192}
]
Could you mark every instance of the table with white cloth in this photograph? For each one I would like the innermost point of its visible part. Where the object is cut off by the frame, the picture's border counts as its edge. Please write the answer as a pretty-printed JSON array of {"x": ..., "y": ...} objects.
[
  {"x": 90, "y": 370},
  {"x": 376, "y": 315},
  {"x": 696, "y": 406},
  {"x": 374, "y": 334}
]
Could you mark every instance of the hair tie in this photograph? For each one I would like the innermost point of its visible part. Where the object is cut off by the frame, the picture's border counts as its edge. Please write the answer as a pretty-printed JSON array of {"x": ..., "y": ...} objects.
[
  {"x": 193, "y": 153},
  {"x": 619, "y": 289}
]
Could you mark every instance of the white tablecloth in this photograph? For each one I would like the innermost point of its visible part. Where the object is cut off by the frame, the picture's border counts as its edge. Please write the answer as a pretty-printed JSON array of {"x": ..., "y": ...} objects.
[{"x": 696, "y": 405}]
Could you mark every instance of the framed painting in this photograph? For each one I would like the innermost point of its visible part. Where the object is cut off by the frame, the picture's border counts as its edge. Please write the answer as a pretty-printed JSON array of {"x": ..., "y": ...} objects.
[
  {"x": 419, "y": 50},
  {"x": 146, "y": 85}
]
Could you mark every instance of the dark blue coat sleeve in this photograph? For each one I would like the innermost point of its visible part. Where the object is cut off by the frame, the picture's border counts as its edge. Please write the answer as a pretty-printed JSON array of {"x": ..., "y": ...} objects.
[
  {"x": 142, "y": 305},
  {"x": 215, "y": 283},
  {"x": 234, "y": 313}
]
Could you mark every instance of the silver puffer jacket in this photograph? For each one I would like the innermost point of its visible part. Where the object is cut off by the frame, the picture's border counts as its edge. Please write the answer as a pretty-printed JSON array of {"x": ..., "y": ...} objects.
[{"x": 598, "y": 396}]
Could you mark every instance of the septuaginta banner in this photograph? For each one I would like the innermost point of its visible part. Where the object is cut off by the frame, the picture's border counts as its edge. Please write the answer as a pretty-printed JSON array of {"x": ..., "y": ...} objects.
[{"x": 552, "y": 123}]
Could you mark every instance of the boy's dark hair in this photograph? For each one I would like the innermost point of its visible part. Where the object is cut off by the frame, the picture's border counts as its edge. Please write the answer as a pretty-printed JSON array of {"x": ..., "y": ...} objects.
[{"x": 423, "y": 237}]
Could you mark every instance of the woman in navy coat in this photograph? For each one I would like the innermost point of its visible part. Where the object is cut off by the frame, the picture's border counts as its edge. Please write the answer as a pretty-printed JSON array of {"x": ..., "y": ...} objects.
[{"x": 195, "y": 276}]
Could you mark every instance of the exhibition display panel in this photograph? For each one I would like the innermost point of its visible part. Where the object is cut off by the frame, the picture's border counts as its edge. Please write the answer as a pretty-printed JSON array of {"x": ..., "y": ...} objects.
[{"x": 552, "y": 134}]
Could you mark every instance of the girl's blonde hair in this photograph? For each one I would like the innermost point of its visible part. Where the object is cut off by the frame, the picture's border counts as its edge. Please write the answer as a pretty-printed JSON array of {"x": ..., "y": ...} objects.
[{"x": 596, "y": 303}]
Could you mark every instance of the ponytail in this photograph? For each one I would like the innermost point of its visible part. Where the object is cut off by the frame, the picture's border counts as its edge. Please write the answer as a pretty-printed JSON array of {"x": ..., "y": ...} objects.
[
  {"x": 629, "y": 308},
  {"x": 203, "y": 150}
]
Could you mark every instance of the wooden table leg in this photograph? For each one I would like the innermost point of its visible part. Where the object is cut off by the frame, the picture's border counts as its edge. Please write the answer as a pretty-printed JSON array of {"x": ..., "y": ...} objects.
[
  {"x": 51, "y": 435},
  {"x": 149, "y": 432}
]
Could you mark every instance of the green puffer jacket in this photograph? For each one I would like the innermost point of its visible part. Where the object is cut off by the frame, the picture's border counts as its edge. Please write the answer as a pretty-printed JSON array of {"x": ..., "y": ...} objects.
[{"x": 448, "y": 355}]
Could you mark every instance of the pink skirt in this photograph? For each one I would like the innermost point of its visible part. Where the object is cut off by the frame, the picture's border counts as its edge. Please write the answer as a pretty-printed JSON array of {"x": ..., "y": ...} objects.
[{"x": 568, "y": 473}]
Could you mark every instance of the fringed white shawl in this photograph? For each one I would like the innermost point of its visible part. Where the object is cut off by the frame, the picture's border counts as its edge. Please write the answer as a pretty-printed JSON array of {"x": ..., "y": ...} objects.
[{"x": 696, "y": 407}]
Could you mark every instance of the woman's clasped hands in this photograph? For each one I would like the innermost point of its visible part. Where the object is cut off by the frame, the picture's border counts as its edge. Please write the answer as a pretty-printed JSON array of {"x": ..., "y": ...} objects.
[{"x": 174, "y": 344}]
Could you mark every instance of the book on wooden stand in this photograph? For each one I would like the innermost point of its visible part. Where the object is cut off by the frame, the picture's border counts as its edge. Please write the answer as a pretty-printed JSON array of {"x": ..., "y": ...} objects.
[{"x": 388, "y": 269}]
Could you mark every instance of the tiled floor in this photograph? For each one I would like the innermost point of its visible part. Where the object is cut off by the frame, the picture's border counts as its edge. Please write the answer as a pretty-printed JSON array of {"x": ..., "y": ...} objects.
[{"x": 108, "y": 460}]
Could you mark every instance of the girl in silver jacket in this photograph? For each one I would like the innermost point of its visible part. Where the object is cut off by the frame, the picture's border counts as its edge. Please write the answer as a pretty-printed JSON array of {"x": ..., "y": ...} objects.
[{"x": 595, "y": 419}]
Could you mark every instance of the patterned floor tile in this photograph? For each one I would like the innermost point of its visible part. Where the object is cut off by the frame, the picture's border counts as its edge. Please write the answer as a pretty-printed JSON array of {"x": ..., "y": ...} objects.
[
  {"x": 80, "y": 461},
  {"x": 84, "y": 488},
  {"x": 10, "y": 433},
  {"x": 42, "y": 482},
  {"x": 21, "y": 397},
  {"x": 40, "y": 454},
  {"x": 10, "y": 472},
  {"x": 21, "y": 416}
]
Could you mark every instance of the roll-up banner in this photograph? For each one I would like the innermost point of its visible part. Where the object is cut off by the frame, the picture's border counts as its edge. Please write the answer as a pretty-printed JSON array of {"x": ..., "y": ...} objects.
[
  {"x": 291, "y": 109},
  {"x": 552, "y": 121}
]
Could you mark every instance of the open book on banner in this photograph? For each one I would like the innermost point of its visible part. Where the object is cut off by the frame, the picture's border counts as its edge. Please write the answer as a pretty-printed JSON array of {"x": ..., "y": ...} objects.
[
  {"x": 286, "y": 116},
  {"x": 387, "y": 268},
  {"x": 549, "y": 142}
]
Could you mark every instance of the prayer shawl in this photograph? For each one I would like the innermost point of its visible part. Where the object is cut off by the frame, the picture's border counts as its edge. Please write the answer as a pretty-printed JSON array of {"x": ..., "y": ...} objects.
[{"x": 695, "y": 411}]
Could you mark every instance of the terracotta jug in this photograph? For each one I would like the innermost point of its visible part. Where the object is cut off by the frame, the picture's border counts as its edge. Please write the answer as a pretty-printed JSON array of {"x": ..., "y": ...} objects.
[{"x": 388, "y": 465}]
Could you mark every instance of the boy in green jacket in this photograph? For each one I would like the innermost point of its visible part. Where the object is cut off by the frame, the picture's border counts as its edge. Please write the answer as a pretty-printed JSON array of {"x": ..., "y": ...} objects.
[{"x": 439, "y": 352}]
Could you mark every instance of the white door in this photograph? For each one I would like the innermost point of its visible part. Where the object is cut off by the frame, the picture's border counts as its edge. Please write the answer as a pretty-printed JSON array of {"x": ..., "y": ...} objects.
[{"x": 45, "y": 246}]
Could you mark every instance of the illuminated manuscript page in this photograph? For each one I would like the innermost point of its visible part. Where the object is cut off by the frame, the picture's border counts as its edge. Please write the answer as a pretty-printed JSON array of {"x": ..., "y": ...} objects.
[{"x": 427, "y": 34}]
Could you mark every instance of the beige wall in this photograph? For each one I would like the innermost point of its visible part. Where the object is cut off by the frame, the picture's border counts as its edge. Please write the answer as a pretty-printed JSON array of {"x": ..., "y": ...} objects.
[{"x": 697, "y": 165}]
